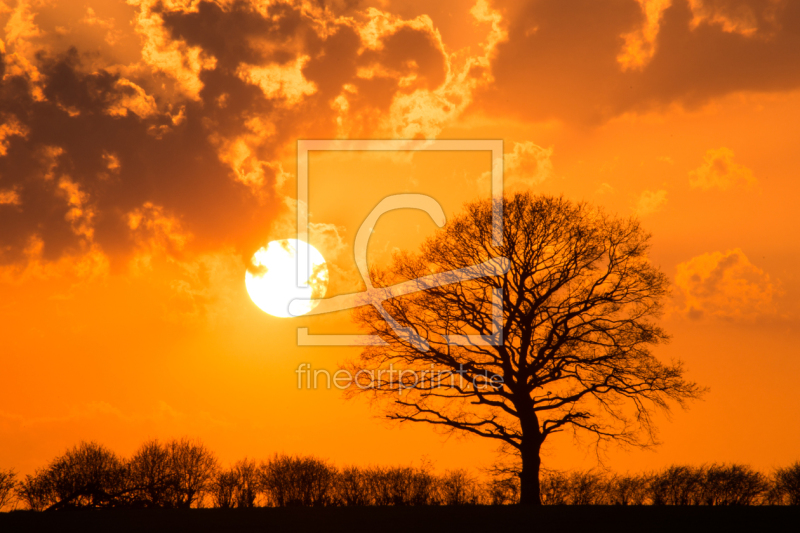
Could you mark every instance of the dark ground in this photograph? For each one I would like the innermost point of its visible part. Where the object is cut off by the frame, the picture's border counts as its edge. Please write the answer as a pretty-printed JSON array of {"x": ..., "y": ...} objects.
[{"x": 592, "y": 519}]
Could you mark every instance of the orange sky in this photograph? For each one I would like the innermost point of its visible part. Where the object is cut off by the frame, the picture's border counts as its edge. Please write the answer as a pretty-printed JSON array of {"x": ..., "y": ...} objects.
[{"x": 148, "y": 149}]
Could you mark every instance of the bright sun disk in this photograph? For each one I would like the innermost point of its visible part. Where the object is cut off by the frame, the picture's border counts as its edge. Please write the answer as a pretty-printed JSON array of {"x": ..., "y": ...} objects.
[{"x": 271, "y": 279}]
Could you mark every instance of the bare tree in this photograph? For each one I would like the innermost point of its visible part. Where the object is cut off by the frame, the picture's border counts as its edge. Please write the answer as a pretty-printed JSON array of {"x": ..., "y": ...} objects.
[
  {"x": 733, "y": 485},
  {"x": 677, "y": 485},
  {"x": 35, "y": 492},
  {"x": 192, "y": 466},
  {"x": 8, "y": 486},
  {"x": 787, "y": 484},
  {"x": 151, "y": 476},
  {"x": 555, "y": 488},
  {"x": 352, "y": 487},
  {"x": 238, "y": 486},
  {"x": 298, "y": 481},
  {"x": 458, "y": 487},
  {"x": 626, "y": 490},
  {"x": 587, "y": 488},
  {"x": 575, "y": 331},
  {"x": 223, "y": 489},
  {"x": 176, "y": 474},
  {"x": 88, "y": 475}
]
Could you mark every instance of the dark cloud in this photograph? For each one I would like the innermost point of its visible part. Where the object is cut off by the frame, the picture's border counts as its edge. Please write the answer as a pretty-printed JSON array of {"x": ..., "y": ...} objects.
[
  {"x": 560, "y": 60},
  {"x": 240, "y": 34},
  {"x": 104, "y": 143},
  {"x": 70, "y": 137},
  {"x": 693, "y": 65}
]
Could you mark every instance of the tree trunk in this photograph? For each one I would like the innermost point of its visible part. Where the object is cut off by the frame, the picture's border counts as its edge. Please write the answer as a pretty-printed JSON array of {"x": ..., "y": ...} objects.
[{"x": 530, "y": 493}]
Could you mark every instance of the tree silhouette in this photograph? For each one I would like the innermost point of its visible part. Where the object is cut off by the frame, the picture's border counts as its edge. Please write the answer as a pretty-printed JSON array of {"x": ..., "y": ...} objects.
[
  {"x": 298, "y": 481},
  {"x": 151, "y": 475},
  {"x": 236, "y": 487},
  {"x": 174, "y": 475},
  {"x": 578, "y": 302},
  {"x": 192, "y": 467},
  {"x": 8, "y": 484},
  {"x": 787, "y": 484},
  {"x": 88, "y": 475}
]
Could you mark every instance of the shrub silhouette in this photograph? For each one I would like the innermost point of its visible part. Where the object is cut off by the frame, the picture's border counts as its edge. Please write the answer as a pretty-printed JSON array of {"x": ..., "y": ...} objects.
[
  {"x": 152, "y": 476},
  {"x": 353, "y": 489},
  {"x": 401, "y": 486},
  {"x": 733, "y": 485},
  {"x": 237, "y": 487},
  {"x": 677, "y": 485},
  {"x": 626, "y": 490},
  {"x": 293, "y": 481},
  {"x": 175, "y": 475},
  {"x": 460, "y": 488},
  {"x": 8, "y": 486},
  {"x": 786, "y": 484},
  {"x": 87, "y": 475},
  {"x": 184, "y": 473}
]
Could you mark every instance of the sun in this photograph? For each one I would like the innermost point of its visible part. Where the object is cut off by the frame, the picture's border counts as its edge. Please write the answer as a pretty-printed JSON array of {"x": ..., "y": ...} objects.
[{"x": 271, "y": 278}]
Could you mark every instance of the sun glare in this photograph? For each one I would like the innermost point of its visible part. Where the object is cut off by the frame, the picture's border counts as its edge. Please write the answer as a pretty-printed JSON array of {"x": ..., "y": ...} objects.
[{"x": 271, "y": 279}]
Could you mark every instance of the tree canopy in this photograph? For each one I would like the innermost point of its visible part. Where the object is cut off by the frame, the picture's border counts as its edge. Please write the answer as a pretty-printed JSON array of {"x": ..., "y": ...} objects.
[{"x": 570, "y": 349}]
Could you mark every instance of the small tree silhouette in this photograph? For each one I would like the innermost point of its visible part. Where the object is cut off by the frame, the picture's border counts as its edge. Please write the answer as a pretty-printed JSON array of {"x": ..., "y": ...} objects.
[
  {"x": 151, "y": 476},
  {"x": 732, "y": 485},
  {"x": 237, "y": 487},
  {"x": 8, "y": 486},
  {"x": 298, "y": 481},
  {"x": 192, "y": 467},
  {"x": 88, "y": 475},
  {"x": 578, "y": 303},
  {"x": 787, "y": 484},
  {"x": 176, "y": 474}
]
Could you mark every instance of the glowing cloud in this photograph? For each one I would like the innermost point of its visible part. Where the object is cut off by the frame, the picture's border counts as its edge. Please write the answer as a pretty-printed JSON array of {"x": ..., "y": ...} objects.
[
  {"x": 180, "y": 62},
  {"x": 724, "y": 285},
  {"x": 735, "y": 16},
  {"x": 650, "y": 202},
  {"x": 283, "y": 82},
  {"x": 156, "y": 233},
  {"x": 9, "y": 197},
  {"x": 640, "y": 44},
  {"x": 10, "y": 127},
  {"x": 718, "y": 171}
]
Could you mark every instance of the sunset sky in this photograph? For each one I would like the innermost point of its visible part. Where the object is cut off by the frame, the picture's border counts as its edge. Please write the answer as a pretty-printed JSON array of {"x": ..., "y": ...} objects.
[{"x": 148, "y": 149}]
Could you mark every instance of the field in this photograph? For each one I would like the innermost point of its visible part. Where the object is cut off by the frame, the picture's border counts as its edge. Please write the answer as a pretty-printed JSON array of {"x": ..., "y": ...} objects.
[{"x": 414, "y": 519}]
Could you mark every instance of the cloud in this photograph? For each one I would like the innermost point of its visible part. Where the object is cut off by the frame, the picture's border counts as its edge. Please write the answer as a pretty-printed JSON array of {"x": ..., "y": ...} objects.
[
  {"x": 718, "y": 171},
  {"x": 527, "y": 165},
  {"x": 650, "y": 202},
  {"x": 745, "y": 17},
  {"x": 588, "y": 61},
  {"x": 132, "y": 99},
  {"x": 280, "y": 81},
  {"x": 156, "y": 233},
  {"x": 640, "y": 44},
  {"x": 604, "y": 188},
  {"x": 326, "y": 238},
  {"x": 83, "y": 264},
  {"x": 10, "y": 127},
  {"x": 201, "y": 290},
  {"x": 193, "y": 107},
  {"x": 9, "y": 197},
  {"x": 173, "y": 57},
  {"x": 724, "y": 285},
  {"x": 420, "y": 108}
]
